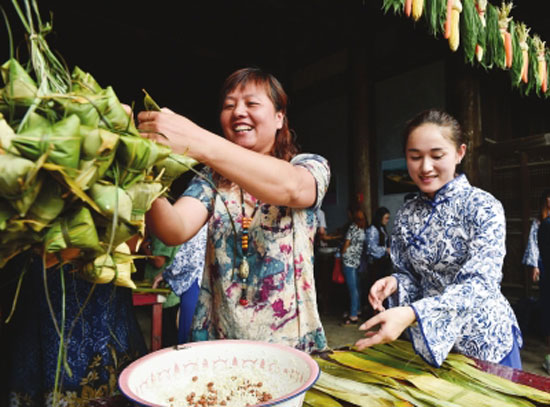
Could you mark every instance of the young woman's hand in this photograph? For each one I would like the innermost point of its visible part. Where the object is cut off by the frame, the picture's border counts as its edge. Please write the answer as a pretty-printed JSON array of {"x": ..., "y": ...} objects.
[
  {"x": 391, "y": 324},
  {"x": 381, "y": 290}
]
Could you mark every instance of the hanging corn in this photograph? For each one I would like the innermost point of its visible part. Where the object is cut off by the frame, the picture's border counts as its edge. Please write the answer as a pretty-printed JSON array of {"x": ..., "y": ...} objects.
[
  {"x": 481, "y": 7},
  {"x": 454, "y": 37},
  {"x": 542, "y": 74},
  {"x": 523, "y": 33},
  {"x": 503, "y": 23},
  {"x": 417, "y": 9}
]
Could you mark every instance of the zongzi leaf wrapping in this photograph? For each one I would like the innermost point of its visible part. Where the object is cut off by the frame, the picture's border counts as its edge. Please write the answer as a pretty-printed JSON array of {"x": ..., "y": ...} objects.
[
  {"x": 47, "y": 206},
  {"x": 20, "y": 182},
  {"x": 19, "y": 86},
  {"x": 83, "y": 82},
  {"x": 60, "y": 140},
  {"x": 111, "y": 199},
  {"x": 173, "y": 167},
  {"x": 76, "y": 229},
  {"x": 137, "y": 154},
  {"x": 116, "y": 267}
]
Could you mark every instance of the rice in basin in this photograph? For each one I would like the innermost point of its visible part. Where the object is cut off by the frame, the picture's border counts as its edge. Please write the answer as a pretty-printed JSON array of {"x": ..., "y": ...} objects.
[{"x": 229, "y": 373}]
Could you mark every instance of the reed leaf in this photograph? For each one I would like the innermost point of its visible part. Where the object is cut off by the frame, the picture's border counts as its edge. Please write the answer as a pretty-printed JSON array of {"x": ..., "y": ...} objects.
[
  {"x": 355, "y": 361},
  {"x": 500, "y": 384},
  {"x": 353, "y": 374},
  {"x": 317, "y": 398},
  {"x": 361, "y": 394}
]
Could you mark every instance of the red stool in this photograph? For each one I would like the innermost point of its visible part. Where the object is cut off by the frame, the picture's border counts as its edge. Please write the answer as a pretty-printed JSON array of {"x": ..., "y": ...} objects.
[{"x": 155, "y": 300}]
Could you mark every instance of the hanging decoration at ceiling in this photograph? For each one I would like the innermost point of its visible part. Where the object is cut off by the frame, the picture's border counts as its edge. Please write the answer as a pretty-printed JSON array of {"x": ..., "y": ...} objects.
[{"x": 488, "y": 35}]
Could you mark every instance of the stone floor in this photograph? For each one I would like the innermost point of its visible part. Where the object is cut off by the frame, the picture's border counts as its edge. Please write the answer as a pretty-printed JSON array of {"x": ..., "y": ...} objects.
[{"x": 339, "y": 335}]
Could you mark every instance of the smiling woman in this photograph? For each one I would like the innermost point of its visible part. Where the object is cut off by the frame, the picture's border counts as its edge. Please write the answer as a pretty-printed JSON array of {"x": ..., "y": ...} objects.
[
  {"x": 254, "y": 185},
  {"x": 447, "y": 248}
]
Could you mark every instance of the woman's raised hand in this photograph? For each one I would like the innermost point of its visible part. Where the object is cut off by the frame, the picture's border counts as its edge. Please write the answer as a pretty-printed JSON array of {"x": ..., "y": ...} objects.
[
  {"x": 390, "y": 323},
  {"x": 173, "y": 130},
  {"x": 381, "y": 290}
]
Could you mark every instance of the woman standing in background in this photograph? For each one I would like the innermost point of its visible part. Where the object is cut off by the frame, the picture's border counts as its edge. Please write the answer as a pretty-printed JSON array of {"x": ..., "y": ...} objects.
[{"x": 352, "y": 251}]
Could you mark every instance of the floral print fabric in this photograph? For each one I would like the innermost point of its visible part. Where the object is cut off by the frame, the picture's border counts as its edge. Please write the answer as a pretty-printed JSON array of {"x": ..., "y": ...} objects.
[
  {"x": 282, "y": 304},
  {"x": 188, "y": 263},
  {"x": 448, "y": 254},
  {"x": 352, "y": 255},
  {"x": 531, "y": 255}
]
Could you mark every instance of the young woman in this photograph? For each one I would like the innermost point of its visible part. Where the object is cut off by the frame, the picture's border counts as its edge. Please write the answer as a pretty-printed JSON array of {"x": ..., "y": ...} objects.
[
  {"x": 352, "y": 251},
  {"x": 377, "y": 244},
  {"x": 260, "y": 284},
  {"x": 448, "y": 246}
]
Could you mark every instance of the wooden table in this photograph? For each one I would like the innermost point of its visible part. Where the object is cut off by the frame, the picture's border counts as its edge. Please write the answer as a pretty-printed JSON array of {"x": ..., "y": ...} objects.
[{"x": 155, "y": 300}]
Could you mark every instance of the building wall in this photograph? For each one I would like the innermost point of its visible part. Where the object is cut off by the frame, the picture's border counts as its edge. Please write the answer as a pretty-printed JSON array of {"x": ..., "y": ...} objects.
[{"x": 396, "y": 100}]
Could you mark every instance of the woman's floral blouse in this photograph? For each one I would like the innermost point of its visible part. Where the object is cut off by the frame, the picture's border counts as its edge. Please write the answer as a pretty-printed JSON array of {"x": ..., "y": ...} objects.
[
  {"x": 531, "y": 255},
  {"x": 352, "y": 255},
  {"x": 188, "y": 263},
  {"x": 448, "y": 254},
  {"x": 282, "y": 304}
]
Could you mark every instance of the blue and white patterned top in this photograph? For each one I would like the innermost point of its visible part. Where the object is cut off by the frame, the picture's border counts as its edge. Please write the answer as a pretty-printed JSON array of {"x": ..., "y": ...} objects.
[
  {"x": 372, "y": 243},
  {"x": 448, "y": 254},
  {"x": 352, "y": 256},
  {"x": 531, "y": 255},
  {"x": 188, "y": 263}
]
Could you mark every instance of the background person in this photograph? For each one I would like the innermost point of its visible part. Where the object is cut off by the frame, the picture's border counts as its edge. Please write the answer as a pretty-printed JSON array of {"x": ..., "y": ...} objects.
[
  {"x": 184, "y": 276},
  {"x": 259, "y": 286},
  {"x": 352, "y": 251},
  {"x": 448, "y": 247},
  {"x": 531, "y": 256},
  {"x": 377, "y": 249}
]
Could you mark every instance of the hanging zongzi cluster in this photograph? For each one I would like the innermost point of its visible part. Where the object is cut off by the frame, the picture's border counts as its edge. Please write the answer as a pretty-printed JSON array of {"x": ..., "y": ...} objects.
[
  {"x": 74, "y": 170},
  {"x": 489, "y": 37}
]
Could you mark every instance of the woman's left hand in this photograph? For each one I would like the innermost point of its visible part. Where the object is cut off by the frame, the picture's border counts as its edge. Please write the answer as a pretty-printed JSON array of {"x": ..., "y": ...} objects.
[{"x": 391, "y": 323}]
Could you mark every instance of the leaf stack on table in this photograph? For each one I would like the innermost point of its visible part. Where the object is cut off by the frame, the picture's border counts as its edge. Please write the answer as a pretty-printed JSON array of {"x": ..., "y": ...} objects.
[
  {"x": 75, "y": 173},
  {"x": 393, "y": 375}
]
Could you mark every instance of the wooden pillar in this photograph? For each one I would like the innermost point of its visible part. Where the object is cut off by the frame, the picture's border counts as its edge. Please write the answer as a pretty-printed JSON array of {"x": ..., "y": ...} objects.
[
  {"x": 361, "y": 143},
  {"x": 465, "y": 104}
]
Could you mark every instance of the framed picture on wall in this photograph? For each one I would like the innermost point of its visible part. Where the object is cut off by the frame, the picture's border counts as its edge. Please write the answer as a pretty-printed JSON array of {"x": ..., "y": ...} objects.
[{"x": 395, "y": 177}]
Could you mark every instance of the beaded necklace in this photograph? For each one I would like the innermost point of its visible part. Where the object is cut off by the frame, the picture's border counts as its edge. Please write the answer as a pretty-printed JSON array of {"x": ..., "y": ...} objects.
[{"x": 244, "y": 268}]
